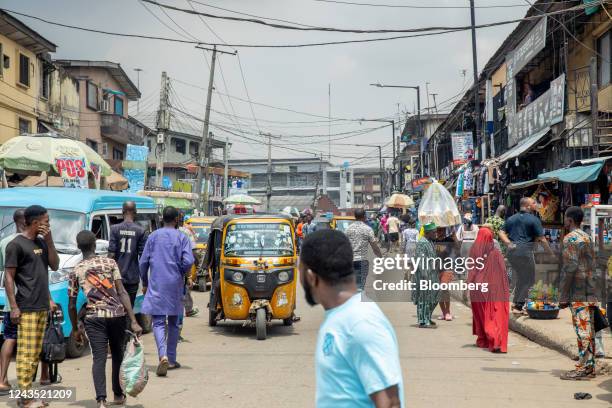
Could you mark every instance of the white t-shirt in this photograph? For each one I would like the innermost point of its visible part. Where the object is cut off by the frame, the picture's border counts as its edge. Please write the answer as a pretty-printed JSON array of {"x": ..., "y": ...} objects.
[{"x": 393, "y": 224}]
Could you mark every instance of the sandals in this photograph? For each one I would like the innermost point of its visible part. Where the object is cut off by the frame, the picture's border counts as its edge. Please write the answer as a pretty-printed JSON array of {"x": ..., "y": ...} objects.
[
  {"x": 193, "y": 312},
  {"x": 448, "y": 317},
  {"x": 578, "y": 375},
  {"x": 162, "y": 367},
  {"x": 117, "y": 402},
  {"x": 5, "y": 390},
  {"x": 174, "y": 366},
  {"x": 32, "y": 403},
  {"x": 49, "y": 382}
]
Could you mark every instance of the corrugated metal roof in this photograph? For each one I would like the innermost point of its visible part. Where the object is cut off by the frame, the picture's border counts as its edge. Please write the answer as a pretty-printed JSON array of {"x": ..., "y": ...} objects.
[{"x": 24, "y": 35}]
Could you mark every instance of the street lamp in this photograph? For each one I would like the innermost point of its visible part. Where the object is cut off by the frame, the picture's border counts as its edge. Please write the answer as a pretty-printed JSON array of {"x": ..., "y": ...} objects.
[
  {"x": 380, "y": 163},
  {"x": 392, "y": 122},
  {"x": 138, "y": 71},
  {"x": 418, "y": 91}
]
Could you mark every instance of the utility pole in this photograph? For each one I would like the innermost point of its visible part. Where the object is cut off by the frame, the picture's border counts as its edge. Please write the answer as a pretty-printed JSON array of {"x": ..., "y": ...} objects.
[
  {"x": 269, "y": 171},
  {"x": 475, "y": 69},
  {"x": 163, "y": 124},
  {"x": 204, "y": 159},
  {"x": 329, "y": 119},
  {"x": 226, "y": 169}
]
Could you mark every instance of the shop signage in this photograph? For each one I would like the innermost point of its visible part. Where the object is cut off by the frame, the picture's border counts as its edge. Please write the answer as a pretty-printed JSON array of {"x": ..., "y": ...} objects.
[
  {"x": 463, "y": 147},
  {"x": 419, "y": 184},
  {"x": 545, "y": 111},
  {"x": 531, "y": 45},
  {"x": 72, "y": 171}
]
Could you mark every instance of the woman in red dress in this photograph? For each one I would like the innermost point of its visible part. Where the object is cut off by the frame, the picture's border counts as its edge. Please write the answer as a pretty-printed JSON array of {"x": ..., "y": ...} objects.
[{"x": 490, "y": 309}]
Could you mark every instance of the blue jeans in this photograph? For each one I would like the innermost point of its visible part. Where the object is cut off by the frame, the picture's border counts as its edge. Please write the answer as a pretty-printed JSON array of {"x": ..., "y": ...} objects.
[
  {"x": 166, "y": 332},
  {"x": 361, "y": 273}
]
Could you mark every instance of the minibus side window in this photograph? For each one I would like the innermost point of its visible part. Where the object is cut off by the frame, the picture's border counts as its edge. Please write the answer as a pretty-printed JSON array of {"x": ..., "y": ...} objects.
[{"x": 99, "y": 227}]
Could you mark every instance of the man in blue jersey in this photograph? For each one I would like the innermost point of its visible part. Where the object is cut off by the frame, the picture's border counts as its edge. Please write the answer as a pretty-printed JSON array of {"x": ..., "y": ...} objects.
[{"x": 357, "y": 357}]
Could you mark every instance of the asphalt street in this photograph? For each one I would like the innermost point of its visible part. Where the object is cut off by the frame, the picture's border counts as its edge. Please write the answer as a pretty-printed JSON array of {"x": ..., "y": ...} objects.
[{"x": 226, "y": 366}]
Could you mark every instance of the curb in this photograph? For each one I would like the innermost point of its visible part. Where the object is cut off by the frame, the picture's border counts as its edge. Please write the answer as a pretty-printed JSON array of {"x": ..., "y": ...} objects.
[{"x": 538, "y": 335}]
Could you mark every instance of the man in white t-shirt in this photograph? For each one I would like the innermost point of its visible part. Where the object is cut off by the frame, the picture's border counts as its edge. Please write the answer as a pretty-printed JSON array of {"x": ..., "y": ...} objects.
[{"x": 393, "y": 224}]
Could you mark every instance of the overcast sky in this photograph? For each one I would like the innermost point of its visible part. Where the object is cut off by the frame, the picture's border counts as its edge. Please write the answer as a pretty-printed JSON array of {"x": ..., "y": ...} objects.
[{"x": 296, "y": 79}]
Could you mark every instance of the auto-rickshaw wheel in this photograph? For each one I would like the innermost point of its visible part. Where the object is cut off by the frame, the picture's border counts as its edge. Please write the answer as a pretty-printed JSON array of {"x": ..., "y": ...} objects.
[
  {"x": 260, "y": 323},
  {"x": 288, "y": 322}
]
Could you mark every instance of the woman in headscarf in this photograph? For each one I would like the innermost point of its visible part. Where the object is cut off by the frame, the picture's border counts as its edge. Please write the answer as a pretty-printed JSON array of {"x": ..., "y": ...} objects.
[
  {"x": 490, "y": 308},
  {"x": 425, "y": 299}
]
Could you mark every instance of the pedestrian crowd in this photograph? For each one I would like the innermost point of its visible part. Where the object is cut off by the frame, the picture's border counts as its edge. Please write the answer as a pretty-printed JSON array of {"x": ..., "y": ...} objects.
[
  {"x": 357, "y": 357},
  {"x": 159, "y": 263}
]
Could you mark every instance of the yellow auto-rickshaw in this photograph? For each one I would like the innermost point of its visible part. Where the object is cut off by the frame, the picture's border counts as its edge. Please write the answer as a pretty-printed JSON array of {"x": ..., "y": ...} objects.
[
  {"x": 254, "y": 263},
  {"x": 200, "y": 275},
  {"x": 341, "y": 222}
]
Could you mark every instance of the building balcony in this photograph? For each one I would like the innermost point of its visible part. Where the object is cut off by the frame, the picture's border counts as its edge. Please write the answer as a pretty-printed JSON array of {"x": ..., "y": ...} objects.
[{"x": 121, "y": 130}]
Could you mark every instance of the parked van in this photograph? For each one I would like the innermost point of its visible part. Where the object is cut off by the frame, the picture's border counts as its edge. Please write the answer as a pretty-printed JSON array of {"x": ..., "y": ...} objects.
[{"x": 70, "y": 211}]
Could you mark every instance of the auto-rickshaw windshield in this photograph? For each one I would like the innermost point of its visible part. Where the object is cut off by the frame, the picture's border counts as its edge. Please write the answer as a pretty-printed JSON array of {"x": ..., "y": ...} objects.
[
  {"x": 258, "y": 239},
  {"x": 342, "y": 225},
  {"x": 202, "y": 230}
]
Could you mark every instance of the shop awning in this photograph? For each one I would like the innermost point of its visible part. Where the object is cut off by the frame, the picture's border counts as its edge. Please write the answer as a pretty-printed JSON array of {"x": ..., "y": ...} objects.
[
  {"x": 523, "y": 146},
  {"x": 572, "y": 175},
  {"x": 580, "y": 174},
  {"x": 590, "y": 161},
  {"x": 528, "y": 183}
]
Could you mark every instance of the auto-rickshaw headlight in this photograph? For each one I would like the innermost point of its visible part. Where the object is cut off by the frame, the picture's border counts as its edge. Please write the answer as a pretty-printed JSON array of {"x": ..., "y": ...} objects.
[
  {"x": 283, "y": 276},
  {"x": 237, "y": 276}
]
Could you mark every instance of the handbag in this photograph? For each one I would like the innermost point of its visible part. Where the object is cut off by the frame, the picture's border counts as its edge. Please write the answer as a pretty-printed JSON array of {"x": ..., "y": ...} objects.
[
  {"x": 600, "y": 322},
  {"x": 54, "y": 345}
]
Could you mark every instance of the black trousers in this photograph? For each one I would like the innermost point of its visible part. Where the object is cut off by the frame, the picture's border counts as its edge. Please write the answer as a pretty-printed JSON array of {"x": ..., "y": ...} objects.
[
  {"x": 523, "y": 272},
  {"x": 132, "y": 290},
  {"x": 102, "y": 333}
]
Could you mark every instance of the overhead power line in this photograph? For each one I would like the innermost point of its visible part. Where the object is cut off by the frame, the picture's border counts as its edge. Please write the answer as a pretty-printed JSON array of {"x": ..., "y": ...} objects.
[
  {"x": 280, "y": 46},
  {"x": 350, "y": 3},
  {"x": 303, "y": 27}
]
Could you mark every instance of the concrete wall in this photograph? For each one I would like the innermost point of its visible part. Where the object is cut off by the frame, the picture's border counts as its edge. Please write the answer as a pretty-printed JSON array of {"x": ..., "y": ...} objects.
[
  {"x": 16, "y": 100},
  {"x": 90, "y": 119},
  {"x": 62, "y": 106}
]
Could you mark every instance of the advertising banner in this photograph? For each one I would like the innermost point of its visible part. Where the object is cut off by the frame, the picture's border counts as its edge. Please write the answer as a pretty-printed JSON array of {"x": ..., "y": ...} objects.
[
  {"x": 72, "y": 171},
  {"x": 463, "y": 147}
]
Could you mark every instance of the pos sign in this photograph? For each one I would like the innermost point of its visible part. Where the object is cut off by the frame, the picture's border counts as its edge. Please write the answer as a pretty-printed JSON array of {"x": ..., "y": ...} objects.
[{"x": 72, "y": 171}]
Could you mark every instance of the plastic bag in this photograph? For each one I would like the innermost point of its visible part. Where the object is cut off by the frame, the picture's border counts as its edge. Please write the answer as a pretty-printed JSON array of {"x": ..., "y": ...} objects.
[
  {"x": 134, "y": 374},
  {"x": 54, "y": 346},
  {"x": 439, "y": 207}
]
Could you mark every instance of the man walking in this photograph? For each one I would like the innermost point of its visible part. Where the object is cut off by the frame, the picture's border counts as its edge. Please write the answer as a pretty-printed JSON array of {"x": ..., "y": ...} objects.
[
  {"x": 186, "y": 229},
  {"x": 27, "y": 263},
  {"x": 393, "y": 226},
  {"x": 520, "y": 233},
  {"x": 10, "y": 329},
  {"x": 361, "y": 236},
  {"x": 165, "y": 261},
  {"x": 108, "y": 303},
  {"x": 577, "y": 291},
  {"x": 425, "y": 299},
  {"x": 357, "y": 358},
  {"x": 126, "y": 244}
]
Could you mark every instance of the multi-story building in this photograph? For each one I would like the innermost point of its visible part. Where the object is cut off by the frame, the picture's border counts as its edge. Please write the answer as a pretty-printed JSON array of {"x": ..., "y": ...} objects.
[
  {"x": 104, "y": 93},
  {"x": 24, "y": 67},
  {"x": 297, "y": 182},
  {"x": 368, "y": 188}
]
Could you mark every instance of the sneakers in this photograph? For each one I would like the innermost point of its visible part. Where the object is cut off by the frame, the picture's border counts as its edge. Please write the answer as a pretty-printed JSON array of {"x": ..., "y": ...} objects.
[{"x": 193, "y": 312}]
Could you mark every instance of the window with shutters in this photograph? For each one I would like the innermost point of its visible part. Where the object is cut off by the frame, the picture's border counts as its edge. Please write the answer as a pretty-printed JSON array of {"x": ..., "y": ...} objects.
[
  {"x": 92, "y": 96},
  {"x": 24, "y": 70},
  {"x": 604, "y": 45}
]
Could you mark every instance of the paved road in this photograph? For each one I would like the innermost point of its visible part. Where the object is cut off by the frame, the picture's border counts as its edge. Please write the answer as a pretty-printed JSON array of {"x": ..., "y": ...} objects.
[{"x": 226, "y": 367}]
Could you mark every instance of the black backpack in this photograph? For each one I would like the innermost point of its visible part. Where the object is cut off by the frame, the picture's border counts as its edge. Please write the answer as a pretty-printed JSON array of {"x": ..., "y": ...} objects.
[{"x": 54, "y": 346}]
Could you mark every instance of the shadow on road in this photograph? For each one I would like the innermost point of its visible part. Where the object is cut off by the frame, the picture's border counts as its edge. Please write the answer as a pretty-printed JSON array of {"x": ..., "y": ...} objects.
[{"x": 237, "y": 329}]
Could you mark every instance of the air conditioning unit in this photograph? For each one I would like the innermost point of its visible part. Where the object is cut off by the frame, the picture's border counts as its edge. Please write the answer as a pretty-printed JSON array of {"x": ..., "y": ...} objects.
[
  {"x": 105, "y": 150},
  {"x": 105, "y": 105}
]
